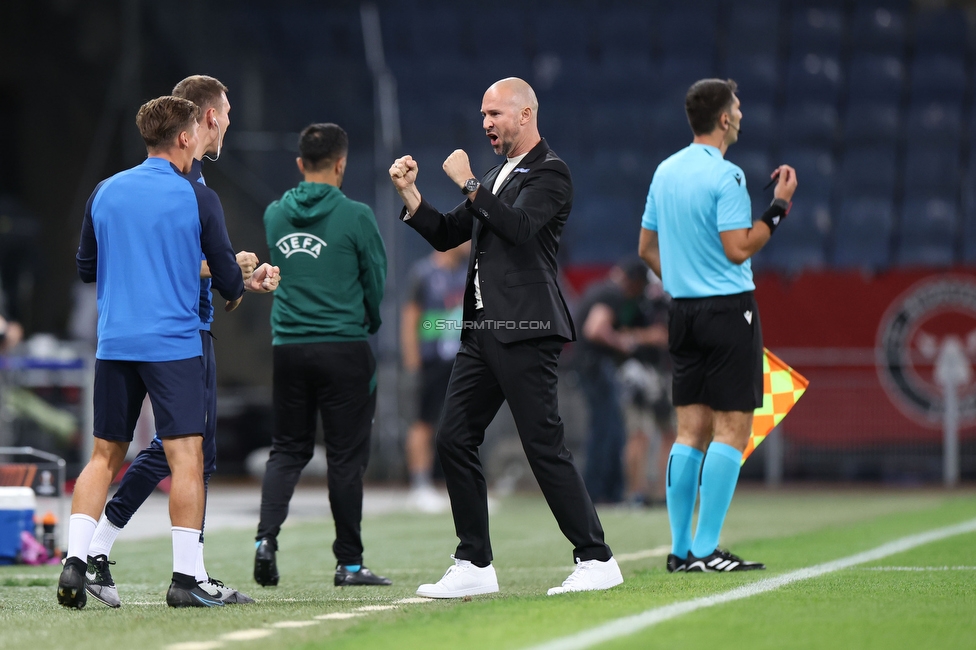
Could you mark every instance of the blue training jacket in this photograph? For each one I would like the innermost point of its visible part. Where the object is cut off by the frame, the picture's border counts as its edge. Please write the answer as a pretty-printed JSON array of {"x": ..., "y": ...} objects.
[{"x": 142, "y": 238}]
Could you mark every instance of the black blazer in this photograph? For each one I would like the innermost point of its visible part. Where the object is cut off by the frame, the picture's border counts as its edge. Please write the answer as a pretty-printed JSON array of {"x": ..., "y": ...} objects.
[{"x": 515, "y": 237}]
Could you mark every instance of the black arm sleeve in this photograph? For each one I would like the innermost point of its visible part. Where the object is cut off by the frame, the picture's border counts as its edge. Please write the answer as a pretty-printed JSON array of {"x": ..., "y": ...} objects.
[
  {"x": 443, "y": 231},
  {"x": 224, "y": 270},
  {"x": 87, "y": 256}
]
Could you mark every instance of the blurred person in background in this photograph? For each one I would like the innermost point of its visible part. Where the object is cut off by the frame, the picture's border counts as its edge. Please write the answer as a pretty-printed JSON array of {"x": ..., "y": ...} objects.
[
  {"x": 645, "y": 381},
  {"x": 615, "y": 327},
  {"x": 150, "y": 467},
  {"x": 334, "y": 270},
  {"x": 430, "y": 335},
  {"x": 697, "y": 235}
]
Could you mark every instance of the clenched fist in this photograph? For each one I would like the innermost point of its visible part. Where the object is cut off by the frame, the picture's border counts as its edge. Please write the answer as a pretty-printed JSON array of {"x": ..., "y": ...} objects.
[
  {"x": 403, "y": 172},
  {"x": 248, "y": 262},
  {"x": 458, "y": 167}
]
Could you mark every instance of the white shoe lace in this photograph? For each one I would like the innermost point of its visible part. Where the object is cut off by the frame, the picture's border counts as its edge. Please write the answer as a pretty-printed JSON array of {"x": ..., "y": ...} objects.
[
  {"x": 459, "y": 566},
  {"x": 576, "y": 577}
]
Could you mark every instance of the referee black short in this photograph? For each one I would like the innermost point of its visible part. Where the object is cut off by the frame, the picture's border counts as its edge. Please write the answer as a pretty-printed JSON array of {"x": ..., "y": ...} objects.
[{"x": 716, "y": 349}]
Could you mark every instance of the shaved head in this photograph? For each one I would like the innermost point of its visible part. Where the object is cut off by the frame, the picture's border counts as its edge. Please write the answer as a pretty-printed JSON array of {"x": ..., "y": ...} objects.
[
  {"x": 518, "y": 92},
  {"x": 510, "y": 110}
]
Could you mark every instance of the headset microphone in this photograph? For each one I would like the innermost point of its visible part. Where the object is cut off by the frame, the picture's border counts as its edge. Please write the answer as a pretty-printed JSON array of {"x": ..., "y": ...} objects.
[{"x": 219, "y": 143}]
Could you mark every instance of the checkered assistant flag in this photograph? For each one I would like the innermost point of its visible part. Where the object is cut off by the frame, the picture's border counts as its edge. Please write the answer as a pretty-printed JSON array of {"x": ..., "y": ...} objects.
[{"x": 782, "y": 388}]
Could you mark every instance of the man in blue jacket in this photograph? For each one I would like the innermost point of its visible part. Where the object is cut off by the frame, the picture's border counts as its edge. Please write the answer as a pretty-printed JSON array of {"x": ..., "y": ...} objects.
[{"x": 142, "y": 238}]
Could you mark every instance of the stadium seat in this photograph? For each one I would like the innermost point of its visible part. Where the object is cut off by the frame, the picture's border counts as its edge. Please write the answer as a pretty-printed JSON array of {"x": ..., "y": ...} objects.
[
  {"x": 931, "y": 169},
  {"x": 621, "y": 75},
  {"x": 622, "y": 124},
  {"x": 940, "y": 31},
  {"x": 938, "y": 78},
  {"x": 878, "y": 29},
  {"x": 934, "y": 124},
  {"x": 627, "y": 31},
  {"x": 928, "y": 232},
  {"x": 622, "y": 172},
  {"x": 756, "y": 75},
  {"x": 813, "y": 77},
  {"x": 867, "y": 124},
  {"x": 689, "y": 30},
  {"x": 800, "y": 242},
  {"x": 868, "y": 171},
  {"x": 818, "y": 30},
  {"x": 815, "y": 170},
  {"x": 753, "y": 30},
  {"x": 677, "y": 73},
  {"x": 669, "y": 126},
  {"x": 862, "y": 233},
  {"x": 759, "y": 122},
  {"x": 602, "y": 229},
  {"x": 570, "y": 29},
  {"x": 809, "y": 125},
  {"x": 873, "y": 78}
]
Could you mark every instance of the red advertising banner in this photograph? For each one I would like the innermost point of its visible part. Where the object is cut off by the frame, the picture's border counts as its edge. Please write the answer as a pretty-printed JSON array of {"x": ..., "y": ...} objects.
[{"x": 879, "y": 351}]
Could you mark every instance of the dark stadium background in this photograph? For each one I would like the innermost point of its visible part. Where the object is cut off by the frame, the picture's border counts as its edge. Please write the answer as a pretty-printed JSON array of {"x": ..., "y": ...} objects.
[{"x": 872, "y": 102}]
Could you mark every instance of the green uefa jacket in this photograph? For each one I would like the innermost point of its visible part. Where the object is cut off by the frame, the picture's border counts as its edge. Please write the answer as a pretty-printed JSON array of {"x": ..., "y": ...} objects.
[{"x": 333, "y": 266}]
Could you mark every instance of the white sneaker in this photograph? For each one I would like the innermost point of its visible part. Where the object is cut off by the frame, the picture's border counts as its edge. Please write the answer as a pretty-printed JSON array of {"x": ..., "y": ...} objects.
[
  {"x": 590, "y": 575},
  {"x": 428, "y": 500},
  {"x": 462, "y": 579}
]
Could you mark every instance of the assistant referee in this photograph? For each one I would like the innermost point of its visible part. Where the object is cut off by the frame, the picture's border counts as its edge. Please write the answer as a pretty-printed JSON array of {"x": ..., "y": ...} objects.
[{"x": 698, "y": 235}]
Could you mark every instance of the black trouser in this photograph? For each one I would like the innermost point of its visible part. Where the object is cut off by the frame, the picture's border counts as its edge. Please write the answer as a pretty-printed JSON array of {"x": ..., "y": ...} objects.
[
  {"x": 486, "y": 373},
  {"x": 337, "y": 380}
]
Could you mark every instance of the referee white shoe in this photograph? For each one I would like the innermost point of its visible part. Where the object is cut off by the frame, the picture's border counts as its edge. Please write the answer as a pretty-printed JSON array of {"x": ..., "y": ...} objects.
[
  {"x": 590, "y": 575},
  {"x": 462, "y": 579}
]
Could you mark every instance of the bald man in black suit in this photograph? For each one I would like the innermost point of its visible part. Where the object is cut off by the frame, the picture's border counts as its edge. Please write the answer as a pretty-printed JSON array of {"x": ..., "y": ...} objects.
[{"x": 515, "y": 325}]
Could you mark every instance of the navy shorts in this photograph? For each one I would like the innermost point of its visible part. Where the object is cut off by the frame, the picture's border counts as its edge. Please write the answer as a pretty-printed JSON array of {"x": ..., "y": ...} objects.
[
  {"x": 716, "y": 352},
  {"x": 176, "y": 389}
]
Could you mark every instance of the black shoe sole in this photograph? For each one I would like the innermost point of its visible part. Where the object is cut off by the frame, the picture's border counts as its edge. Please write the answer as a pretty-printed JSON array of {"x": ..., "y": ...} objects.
[
  {"x": 265, "y": 573},
  {"x": 184, "y": 598},
  {"x": 72, "y": 596}
]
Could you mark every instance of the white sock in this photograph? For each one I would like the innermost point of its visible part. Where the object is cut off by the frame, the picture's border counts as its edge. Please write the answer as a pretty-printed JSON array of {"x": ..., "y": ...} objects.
[
  {"x": 185, "y": 541},
  {"x": 105, "y": 534},
  {"x": 201, "y": 571},
  {"x": 81, "y": 528}
]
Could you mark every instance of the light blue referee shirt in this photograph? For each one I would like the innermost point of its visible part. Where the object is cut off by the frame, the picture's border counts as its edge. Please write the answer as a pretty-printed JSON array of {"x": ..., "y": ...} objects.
[{"x": 694, "y": 195}]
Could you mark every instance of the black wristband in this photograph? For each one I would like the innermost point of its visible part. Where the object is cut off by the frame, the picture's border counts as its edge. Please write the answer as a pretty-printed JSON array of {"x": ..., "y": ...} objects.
[{"x": 774, "y": 214}]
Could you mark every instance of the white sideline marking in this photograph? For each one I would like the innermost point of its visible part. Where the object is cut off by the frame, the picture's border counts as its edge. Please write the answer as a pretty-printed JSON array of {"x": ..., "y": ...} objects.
[
  {"x": 660, "y": 551},
  {"x": 630, "y": 624},
  {"x": 196, "y": 645},
  {"x": 246, "y": 635},
  {"x": 285, "y": 625},
  {"x": 920, "y": 568},
  {"x": 412, "y": 601},
  {"x": 337, "y": 616},
  {"x": 375, "y": 608}
]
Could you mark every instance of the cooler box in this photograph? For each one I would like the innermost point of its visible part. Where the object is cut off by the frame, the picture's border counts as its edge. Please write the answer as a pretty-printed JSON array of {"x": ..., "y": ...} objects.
[{"x": 17, "y": 505}]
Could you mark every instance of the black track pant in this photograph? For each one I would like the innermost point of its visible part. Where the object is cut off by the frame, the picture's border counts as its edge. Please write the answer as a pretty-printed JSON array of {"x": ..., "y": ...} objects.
[{"x": 336, "y": 380}]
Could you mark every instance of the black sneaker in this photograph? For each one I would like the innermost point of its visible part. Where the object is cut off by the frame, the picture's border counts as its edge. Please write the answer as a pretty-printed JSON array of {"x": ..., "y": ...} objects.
[
  {"x": 71, "y": 584},
  {"x": 676, "y": 564},
  {"x": 347, "y": 578},
  {"x": 265, "y": 566},
  {"x": 99, "y": 583},
  {"x": 178, "y": 596},
  {"x": 721, "y": 561}
]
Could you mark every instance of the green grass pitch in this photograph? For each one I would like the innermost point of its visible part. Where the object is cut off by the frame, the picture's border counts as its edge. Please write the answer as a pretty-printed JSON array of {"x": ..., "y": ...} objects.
[{"x": 921, "y": 598}]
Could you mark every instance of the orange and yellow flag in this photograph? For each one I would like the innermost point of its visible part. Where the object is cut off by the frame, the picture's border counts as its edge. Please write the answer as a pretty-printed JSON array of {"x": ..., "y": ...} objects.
[{"x": 782, "y": 387}]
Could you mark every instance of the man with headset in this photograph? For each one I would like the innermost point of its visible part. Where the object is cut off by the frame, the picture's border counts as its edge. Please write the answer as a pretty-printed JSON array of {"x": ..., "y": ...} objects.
[{"x": 150, "y": 466}]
